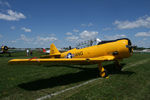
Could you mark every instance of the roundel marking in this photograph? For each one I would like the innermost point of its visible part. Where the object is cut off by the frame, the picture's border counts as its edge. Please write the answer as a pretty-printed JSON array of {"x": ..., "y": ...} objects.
[{"x": 69, "y": 55}]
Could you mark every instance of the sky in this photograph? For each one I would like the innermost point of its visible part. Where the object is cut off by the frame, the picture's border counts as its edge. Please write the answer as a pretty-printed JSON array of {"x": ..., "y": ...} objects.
[{"x": 38, "y": 23}]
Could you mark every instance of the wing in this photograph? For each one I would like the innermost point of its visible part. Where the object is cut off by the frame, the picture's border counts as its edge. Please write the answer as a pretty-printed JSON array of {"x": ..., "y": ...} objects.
[{"x": 62, "y": 60}]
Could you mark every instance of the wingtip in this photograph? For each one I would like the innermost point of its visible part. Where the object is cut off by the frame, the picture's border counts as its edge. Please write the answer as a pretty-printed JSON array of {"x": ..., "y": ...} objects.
[{"x": 10, "y": 61}]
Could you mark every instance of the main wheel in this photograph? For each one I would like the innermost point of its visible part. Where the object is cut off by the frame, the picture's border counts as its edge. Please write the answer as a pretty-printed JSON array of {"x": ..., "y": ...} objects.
[{"x": 103, "y": 74}]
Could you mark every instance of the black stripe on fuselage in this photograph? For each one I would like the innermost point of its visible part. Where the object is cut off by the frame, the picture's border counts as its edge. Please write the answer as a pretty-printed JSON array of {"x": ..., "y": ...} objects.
[{"x": 103, "y": 42}]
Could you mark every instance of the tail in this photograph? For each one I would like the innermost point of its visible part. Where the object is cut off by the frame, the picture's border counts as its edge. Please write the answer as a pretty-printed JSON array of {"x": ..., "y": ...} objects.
[{"x": 54, "y": 51}]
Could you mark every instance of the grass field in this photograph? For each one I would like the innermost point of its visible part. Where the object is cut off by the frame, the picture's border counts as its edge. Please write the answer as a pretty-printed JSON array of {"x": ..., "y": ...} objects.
[{"x": 29, "y": 82}]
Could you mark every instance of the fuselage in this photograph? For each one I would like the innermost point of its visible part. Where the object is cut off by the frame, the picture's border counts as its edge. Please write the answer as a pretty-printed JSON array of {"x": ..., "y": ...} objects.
[{"x": 119, "y": 48}]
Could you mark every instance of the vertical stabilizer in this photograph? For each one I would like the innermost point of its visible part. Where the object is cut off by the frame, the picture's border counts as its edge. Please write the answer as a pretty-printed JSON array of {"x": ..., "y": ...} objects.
[{"x": 54, "y": 50}]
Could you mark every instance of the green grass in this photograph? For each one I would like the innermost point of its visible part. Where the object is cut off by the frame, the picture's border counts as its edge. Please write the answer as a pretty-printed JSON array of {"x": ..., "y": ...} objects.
[{"x": 29, "y": 82}]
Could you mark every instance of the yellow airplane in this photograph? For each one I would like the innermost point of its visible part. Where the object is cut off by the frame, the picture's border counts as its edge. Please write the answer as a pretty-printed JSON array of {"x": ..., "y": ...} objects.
[
  {"x": 105, "y": 51},
  {"x": 4, "y": 50}
]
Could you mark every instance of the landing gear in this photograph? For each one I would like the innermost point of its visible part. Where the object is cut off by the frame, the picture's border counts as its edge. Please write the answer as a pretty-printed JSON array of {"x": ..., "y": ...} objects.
[
  {"x": 118, "y": 65},
  {"x": 102, "y": 72}
]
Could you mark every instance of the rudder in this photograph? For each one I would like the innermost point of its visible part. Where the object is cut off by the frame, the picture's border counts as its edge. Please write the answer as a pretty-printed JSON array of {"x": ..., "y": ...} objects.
[{"x": 54, "y": 50}]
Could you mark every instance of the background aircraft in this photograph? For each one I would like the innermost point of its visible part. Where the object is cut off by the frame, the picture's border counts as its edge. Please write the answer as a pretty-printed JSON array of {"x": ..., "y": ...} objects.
[
  {"x": 46, "y": 51},
  {"x": 105, "y": 51},
  {"x": 4, "y": 50}
]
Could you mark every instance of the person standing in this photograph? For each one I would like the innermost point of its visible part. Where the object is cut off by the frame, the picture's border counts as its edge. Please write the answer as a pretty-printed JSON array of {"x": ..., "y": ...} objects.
[
  {"x": 30, "y": 52},
  {"x": 27, "y": 52}
]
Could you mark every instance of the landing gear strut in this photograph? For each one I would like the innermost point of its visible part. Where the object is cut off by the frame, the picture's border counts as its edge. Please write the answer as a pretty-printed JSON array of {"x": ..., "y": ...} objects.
[
  {"x": 118, "y": 65},
  {"x": 102, "y": 72}
]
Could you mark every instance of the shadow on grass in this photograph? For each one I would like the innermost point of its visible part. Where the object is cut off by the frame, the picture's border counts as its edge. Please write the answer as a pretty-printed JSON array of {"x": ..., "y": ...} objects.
[
  {"x": 111, "y": 68},
  {"x": 83, "y": 75}
]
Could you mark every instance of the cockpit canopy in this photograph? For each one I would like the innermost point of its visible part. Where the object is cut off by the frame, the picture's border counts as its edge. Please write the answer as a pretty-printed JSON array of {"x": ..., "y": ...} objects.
[{"x": 103, "y": 42}]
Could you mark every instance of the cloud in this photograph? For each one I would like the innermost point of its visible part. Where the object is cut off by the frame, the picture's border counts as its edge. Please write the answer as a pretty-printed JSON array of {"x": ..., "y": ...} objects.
[
  {"x": 7, "y": 4},
  {"x": 12, "y": 16},
  {"x": 140, "y": 22},
  {"x": 2, "y": 3},
  {"x": 88, "y": 34},
  {"x": 87, "y": 25},
  {"x": 72, "y": 38},
  {"x": 143, "y": 43},
  {"x": 68, "y": 33},
  {"x": 26, "y": 39},
  {"x": 90, "y": 24},
  {"x": 26, "y": 29},
  {"x": 46, "y": 39},
  {"x": 83, "y": 25},
  {"x": 52, "y": 35},
  {"x": 75, "y": 30},
  {"x": 12, "y": 41},
  {"x": 85, "y": 35},
  {"x": 12, "y": 27},
  {"x": 38, "y": 40},
  {"x": 143, "y": 34},
  {"x": 144, "y": 39},
  {"x": 117, "y": 36},
  {"x": 107, "y": 29}
]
